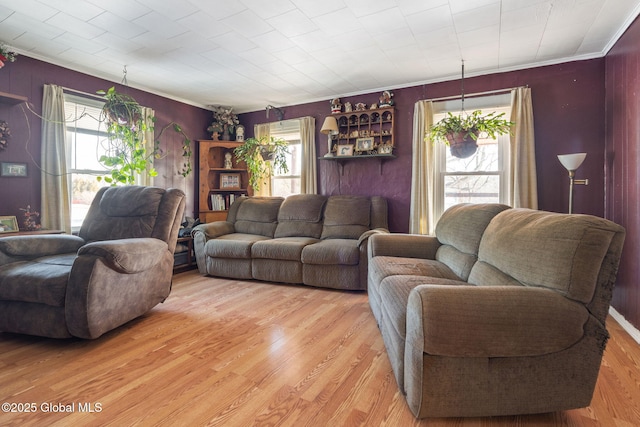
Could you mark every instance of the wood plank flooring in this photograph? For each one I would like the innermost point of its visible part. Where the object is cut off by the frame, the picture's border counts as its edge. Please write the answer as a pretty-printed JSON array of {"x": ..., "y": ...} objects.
[{"x": 238, "y": 353}]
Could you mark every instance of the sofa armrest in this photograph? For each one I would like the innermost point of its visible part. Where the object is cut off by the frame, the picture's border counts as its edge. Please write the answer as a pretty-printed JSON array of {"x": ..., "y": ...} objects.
[
  {"x": 204, "y": 232},
  {"x": 35, "y": 246},
  {"x": 127, "y": 255},
  {"x": 492, "y": 321},
  {"x": 364, "y": 237},
  {"x": 403, "y": 245}
]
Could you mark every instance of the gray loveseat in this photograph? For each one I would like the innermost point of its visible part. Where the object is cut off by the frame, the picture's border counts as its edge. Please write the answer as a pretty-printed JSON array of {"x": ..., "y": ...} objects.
[
  {"x": 304, "y": 239},
  {"x": 502, "y": 312}
]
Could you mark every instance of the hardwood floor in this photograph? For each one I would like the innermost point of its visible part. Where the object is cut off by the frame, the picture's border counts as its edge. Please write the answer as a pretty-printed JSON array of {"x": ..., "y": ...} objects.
[{"x": 233, "y": 353}]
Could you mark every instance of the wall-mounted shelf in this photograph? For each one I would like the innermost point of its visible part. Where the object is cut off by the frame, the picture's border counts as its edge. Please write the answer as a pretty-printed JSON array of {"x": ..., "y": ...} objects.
[
  {"x": 341, "y": 160},
  {"x": 11, "y": 99}
]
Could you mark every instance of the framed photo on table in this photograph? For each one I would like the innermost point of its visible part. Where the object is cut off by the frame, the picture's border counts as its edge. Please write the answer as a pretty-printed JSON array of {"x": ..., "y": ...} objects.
[
  {"x": 230, "y": 181},
  {"x": 8, "y": 224}
]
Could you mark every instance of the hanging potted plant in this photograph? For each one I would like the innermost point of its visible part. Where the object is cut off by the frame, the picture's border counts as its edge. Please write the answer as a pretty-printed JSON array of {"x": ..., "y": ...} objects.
[
  {"x": 461, "y": 132},
  {"x": 263, "y": 156},
  {"x": 126, "y": 126},
  {"x": 224, "y": 123}
]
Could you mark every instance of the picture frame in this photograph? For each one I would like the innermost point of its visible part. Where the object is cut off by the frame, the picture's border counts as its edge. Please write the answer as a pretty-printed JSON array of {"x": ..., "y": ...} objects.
[
  {"x": 230, "y": 181},
  {"x": 13, "y": 169},
  {"x": 364, "y": 144},
  {"x": 8, "y": 224},
  {"x": 344, "y": 150}
]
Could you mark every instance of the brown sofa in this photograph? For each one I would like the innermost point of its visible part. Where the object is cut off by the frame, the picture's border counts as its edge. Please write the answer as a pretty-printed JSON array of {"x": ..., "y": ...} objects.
[
  {"x": 117, "y": 268},
  {"x": 502, "y": 312},
  {"x": 305, "y": 239}
]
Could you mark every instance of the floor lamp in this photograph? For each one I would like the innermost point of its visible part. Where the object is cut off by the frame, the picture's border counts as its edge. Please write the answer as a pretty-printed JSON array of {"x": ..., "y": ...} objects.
[
  {"x": 572, "y": 162},
  {"x": 329, "y": 128}
]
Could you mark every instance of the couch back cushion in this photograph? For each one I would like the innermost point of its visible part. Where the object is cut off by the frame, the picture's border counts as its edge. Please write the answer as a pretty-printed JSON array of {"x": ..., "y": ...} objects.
[
  {"x": 460, "y": 230},
  {"x": 301, "y": 216},
  {"x": 258, "y": 215},
  {"x": 572, "y": 254},
  {"x": 346, "y": 217},
  {"x": 132, "y": 212}
]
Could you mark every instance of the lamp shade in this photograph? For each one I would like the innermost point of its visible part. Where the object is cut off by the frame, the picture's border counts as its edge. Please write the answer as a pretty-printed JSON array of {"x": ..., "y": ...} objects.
[
  {"x": 329, "y": 126},
  {"x": 572, "y": 161}
]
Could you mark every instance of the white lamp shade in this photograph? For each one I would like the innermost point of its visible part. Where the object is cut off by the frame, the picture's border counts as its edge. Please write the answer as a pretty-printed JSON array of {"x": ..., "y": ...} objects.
[
  {"x": 572, "y": 161},
  {"x": 329, "y": 126}
]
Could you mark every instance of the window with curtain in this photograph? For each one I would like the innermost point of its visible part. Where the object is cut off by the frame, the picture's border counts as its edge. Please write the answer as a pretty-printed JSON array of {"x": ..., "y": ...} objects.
[
  {"x": 286, "y": 184},
  {"x": 85, "y": 139},
  {"x": 480, "y": 178}
]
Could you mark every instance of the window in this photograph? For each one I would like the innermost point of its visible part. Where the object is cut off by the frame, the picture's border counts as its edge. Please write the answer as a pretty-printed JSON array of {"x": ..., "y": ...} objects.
[
  {"x": 85, "y": 139},
  {"x": 286, "y": 184},
  {"x": 480, "y": 178}
]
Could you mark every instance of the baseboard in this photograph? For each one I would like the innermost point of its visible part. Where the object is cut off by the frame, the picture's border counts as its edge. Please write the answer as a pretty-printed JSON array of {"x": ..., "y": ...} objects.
[{"x": 631, "y": 330}]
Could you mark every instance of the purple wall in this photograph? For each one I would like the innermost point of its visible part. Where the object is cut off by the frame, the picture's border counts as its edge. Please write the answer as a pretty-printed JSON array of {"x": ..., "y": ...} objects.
[
  {"x": 568, "y": 103},
  {"x": 622, "y": 166},
  {"x": 27, "y": 76}
]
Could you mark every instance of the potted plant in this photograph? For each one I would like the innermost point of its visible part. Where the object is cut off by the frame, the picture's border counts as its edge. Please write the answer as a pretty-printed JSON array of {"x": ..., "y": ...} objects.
[
  {"x": 6, "y": 55},
  {"x": 224, "y": 123},
  {"x": 126, "y": 126},
  {"x": 263, "y": 155},
  {"x": 461, "y": 132}
]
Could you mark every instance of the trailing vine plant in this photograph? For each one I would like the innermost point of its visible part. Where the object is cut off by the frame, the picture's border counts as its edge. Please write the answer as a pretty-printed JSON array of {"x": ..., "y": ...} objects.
[{"x": 127, "y": 154}]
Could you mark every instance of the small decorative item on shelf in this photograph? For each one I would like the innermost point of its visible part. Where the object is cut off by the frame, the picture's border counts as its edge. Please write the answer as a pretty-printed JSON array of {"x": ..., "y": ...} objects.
[
  {"x": 336, "y": 106},
  {"x": 344, "y": 150},
  {"x": 5, "y": 133},
  {"x": 385, "y": 99},
  {"x": 224, "y": 123},
  {"x": 31, "y": 219},
  {"x": 240, "y": 133},
  {"x": 347, "y": 107},
  {"x": 361, "y": 106},
  {"x": 6, "y": 54},
  {"x": 228, "y": 163},
  {"x": 385, "y": 148}
]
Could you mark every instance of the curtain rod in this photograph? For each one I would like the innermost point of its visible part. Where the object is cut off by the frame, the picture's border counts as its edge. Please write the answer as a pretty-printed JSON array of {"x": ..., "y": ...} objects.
[
  {"x": 79, "y": 92},
  {"x": 474, "y": 95}
]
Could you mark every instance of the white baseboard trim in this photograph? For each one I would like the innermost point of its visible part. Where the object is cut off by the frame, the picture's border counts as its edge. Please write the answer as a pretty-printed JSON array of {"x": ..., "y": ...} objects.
[{"x": 631, "y": 330}]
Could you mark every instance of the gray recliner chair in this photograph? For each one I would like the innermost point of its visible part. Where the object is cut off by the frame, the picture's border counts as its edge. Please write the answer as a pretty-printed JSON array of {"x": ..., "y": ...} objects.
[{"x": 117, "y": 268}]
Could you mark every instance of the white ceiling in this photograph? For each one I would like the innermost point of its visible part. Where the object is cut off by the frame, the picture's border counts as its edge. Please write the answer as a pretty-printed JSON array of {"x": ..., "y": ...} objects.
[{"x": 251, "y": 53}]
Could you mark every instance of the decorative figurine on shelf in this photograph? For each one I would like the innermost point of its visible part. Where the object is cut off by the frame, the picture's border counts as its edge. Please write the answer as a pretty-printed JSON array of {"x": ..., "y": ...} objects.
[
  {"x": 347, "y": 107},
  {"x": 385, "y": 148},
  {"x": 336, "y": 106},
  {"x": 361, "y": 106},
  {"x": 373, "y": 106},
  {"x": 385, "y": 99},
  {"x": 228, "y": 163},
  {"x": 240, "y": 133}
]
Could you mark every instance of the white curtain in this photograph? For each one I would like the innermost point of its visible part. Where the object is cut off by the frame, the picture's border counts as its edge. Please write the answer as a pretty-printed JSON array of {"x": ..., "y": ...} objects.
[
  {"x": 55, "y": 213},
  {"x": 260, "y": 130},
  {"x": 422, "y": 215},
  {"x": 308, "y": 179},
  {"x": 523, "y": 184},
  {"x": 149, "y": 143},
  {"x": 522, "y": 188}
]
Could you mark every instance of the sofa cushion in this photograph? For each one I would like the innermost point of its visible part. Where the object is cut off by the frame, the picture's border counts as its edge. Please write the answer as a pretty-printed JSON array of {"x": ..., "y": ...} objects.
[
  {"x": 346, "y": 217},
  {"x": 459, "y": 230},
  {"x": 571, "y": 249},
  {"x": 332, "y": 252},
  {"x": 258, "y": 215},
  {"x": 285, "y": 248},
  {"x": 300, "y": 215},
  {"x": 236, "y": 245},
  {"x": 47, "y": 282},
  {"x": 385, "y": 266}
]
